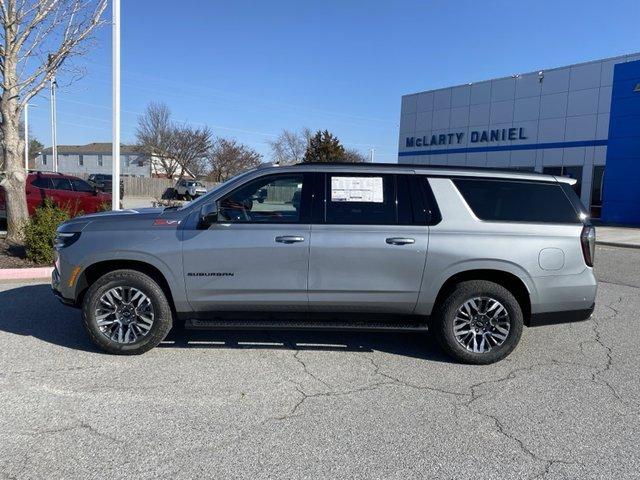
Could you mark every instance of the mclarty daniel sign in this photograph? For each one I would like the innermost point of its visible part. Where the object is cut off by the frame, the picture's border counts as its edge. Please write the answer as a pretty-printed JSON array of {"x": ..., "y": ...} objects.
[{"x": 475, "y": 136}]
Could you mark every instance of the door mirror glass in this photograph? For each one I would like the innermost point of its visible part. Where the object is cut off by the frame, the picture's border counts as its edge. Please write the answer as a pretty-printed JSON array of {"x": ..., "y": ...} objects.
[{"x": 208, "y": 215}]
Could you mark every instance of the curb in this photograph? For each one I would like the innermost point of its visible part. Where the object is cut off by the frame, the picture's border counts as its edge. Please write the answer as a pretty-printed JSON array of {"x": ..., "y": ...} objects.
[
  {"x": 25, "y": 273},
  {"x": 618, "y": 244}
]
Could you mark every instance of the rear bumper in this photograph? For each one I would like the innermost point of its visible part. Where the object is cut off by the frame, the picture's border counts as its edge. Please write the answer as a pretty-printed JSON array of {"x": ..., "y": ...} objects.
[
  {"x": 560, "y": 293},
  {"x": 567, "y": 316}
]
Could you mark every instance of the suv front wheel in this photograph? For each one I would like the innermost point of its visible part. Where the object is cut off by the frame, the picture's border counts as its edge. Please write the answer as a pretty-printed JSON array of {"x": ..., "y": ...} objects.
[
  {"x": 126, "y": 312},
  {"x": 480, "y": 322}
]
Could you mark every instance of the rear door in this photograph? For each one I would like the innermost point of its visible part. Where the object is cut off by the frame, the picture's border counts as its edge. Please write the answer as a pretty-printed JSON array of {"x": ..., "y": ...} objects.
[
  {"x": 368, "y": 245},
  {"x": 63, "y": 194},
  {"x": 88, "y": 201}
]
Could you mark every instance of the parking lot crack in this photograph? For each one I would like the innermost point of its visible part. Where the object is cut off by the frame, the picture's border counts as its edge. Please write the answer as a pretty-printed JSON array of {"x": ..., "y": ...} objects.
[
  {"x": 296, "y": 355},
  {"x": 501, "y": 428},
  {"x": 71, "y": 428},
  {"x": 598, "y": 373},
  {"x": 304, "y": 396},
  {"x": 397, "y": 381}
]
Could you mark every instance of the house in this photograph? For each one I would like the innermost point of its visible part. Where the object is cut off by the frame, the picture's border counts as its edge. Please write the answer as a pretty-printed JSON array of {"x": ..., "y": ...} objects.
[{"x": 95, "y": 158}]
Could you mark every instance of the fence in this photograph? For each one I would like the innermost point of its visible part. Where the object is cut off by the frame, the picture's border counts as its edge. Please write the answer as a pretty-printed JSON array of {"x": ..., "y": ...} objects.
[
  {"x": 157, "y": 188},
  {"x": 145, "y": 186}
]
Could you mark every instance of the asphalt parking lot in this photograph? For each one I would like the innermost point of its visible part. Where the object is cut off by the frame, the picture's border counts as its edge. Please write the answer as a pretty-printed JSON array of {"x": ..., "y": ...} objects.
[{"x": 565, "y": 404}]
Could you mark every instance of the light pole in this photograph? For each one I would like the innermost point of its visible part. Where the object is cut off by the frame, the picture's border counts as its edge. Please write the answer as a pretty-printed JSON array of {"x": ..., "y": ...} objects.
[
  {"x": 54, "y": 129},
  {"x": 115, "y": 149}
]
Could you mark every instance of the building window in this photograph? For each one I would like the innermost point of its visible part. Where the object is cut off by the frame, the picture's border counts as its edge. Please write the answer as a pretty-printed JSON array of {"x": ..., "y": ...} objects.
[
  {"x": 140, "y": 161},
  {"x": 80, "y": 160},
  {"x": 100, "y": 161},
  {"x": 570, "y": 171},
  {"x": 596, "y": 191},
  {"x": 44, "y": 159}
]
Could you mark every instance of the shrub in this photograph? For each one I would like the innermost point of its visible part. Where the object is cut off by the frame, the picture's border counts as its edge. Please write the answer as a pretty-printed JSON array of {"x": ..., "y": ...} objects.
[
  {"x": 41, "y": 231},
  {"x": 104, "y": 207}
]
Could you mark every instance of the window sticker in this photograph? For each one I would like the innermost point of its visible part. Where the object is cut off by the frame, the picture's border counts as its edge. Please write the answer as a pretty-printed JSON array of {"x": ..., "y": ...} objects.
[{"x": 357, "y": 189}]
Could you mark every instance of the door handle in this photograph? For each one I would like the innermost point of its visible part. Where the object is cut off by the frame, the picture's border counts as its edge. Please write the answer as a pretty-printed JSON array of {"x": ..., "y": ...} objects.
[
  {"x": 400, "y": 241},
  {"x": 289, "y": 239}
]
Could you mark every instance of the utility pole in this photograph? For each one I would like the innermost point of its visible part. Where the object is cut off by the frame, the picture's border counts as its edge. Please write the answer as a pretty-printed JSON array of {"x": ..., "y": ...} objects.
[
  {"x": 115, "y": 149},
  {"x": 54, "y": 128}
]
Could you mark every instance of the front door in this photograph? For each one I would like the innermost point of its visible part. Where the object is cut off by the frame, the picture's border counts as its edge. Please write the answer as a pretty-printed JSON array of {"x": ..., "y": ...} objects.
[
  {"x": 256, "y": 255},
  {"x": 368, "y": 253}
]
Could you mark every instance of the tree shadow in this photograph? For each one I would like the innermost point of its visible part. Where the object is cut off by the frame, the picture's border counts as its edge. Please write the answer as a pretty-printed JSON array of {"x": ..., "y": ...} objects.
[{"x": 32, "y": 310}]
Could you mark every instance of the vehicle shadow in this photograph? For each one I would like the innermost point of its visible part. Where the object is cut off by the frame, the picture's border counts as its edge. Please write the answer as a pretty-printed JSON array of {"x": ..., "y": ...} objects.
[{"x": 32, "y": 310}]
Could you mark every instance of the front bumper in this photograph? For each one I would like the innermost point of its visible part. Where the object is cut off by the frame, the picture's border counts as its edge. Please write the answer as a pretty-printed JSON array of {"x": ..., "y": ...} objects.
[{"x": 57, "y": 290}]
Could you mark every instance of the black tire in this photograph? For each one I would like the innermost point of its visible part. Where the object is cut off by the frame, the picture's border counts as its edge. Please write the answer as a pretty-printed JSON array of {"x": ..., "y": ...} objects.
[
  {"x": 188, "y": 197},
  {"x": 163, "y": 317},
  {"x": 443, "y": 325}
]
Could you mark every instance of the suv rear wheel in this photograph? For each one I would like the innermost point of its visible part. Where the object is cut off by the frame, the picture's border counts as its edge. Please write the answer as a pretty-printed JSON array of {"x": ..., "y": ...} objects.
[
  {"x": 126, "y": 312},
  {"x": 480, "y": 322}
]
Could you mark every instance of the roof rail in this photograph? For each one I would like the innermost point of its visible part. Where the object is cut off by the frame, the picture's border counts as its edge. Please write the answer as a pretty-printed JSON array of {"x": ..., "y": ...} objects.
[
  {"x": 413, "y": 165},
  {"x": 268, "y": 165}
]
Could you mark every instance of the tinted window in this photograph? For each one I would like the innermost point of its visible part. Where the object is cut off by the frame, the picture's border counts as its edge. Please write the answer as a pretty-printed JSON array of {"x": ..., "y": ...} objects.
[
  {"x": 273, "y": 199},
  {"x": 41, "y": 182},
  {"x": 517, "y": 201},
  {"x": 356, "y": 199},
  {"x": 81, "y": 185},
  {"x": 61, "y": 183}
]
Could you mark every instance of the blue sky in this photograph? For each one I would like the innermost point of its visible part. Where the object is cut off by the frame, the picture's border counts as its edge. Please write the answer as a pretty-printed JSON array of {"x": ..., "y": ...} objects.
[{"x": 250, "y": 69}]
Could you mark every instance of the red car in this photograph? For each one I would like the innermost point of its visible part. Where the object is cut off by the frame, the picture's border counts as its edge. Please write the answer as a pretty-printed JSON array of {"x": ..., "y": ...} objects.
[{"x": 66, "y": 191}]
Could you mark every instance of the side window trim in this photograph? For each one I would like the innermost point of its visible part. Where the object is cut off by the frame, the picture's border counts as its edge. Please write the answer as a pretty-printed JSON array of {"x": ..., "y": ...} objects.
[{"x": 429, "y": 201}]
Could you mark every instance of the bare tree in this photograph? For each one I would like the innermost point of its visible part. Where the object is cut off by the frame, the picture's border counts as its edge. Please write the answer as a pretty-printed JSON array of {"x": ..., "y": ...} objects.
[
  {"x": 154, "y": 137},
  {"x": 177, "y": 148},
  {"x": 37, "y": 37},
  {"x": 190, "y": 147},
  {"x": 351, "y": 155},
  {"x": 228, "y": 158},
  {"x": 290, "y": 147}
]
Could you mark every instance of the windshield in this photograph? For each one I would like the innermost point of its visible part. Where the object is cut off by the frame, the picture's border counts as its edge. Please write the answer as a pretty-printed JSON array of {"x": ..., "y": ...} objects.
[{"x": 203, "y": 199}]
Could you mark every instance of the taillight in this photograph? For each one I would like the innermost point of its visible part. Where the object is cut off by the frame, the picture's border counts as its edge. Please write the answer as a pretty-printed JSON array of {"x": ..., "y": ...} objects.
[{"x": 588, "y": 242}]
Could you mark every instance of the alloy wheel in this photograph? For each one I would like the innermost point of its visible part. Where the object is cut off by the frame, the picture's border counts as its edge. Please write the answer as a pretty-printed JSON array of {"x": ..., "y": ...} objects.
[
  {"x": 124, "y": 314},
  {"x": 481, "y": 324}
]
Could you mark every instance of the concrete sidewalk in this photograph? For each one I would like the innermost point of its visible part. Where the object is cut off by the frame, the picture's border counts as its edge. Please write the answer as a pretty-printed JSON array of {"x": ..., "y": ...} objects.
[{"x": 618, "y": 236}]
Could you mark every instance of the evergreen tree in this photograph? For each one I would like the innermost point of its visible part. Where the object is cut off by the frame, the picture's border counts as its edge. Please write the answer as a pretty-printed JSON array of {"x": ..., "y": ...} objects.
[{"x": 324, "y": 147}]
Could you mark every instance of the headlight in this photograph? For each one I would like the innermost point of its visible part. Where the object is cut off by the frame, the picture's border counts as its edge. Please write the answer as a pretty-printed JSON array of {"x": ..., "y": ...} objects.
[{"x": 64, "y": 239}]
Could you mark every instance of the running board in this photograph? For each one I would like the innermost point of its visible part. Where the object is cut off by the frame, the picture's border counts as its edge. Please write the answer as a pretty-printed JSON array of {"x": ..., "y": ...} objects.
[{"x": 234, "y": 324}]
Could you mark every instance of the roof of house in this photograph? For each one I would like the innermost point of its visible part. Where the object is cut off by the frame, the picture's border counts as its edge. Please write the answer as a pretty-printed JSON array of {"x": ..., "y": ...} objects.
[{"x": 92, "y": 148}]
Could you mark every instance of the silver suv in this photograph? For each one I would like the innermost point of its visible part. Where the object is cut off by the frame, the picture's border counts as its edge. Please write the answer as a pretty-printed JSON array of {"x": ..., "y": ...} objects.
[{"x": 471, "y": 255}]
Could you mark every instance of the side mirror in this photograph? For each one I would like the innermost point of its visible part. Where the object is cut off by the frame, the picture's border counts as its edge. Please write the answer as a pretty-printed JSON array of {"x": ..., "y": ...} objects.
[{"x": 208, "y": 216}]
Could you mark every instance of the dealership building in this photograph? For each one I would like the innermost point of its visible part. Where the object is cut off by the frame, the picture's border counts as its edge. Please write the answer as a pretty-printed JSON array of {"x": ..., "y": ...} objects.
[{"x": 581, "y": 121}]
